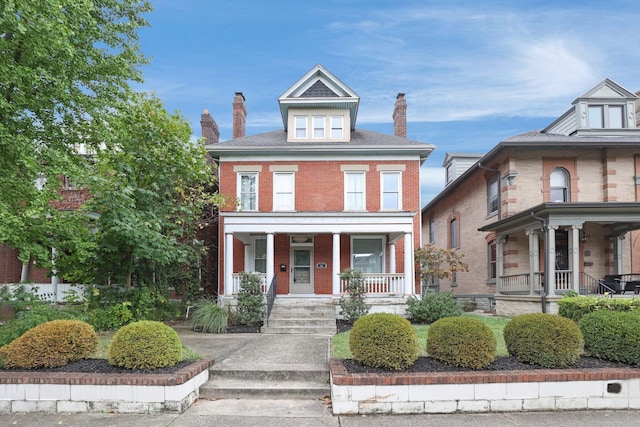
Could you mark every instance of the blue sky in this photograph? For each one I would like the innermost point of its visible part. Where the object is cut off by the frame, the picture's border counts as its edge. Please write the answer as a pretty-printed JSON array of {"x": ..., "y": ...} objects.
[{"x": 474, "y": 72}]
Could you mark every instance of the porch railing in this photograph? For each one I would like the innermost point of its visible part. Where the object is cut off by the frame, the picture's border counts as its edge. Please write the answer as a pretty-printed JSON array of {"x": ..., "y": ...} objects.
[
  {"x": 236, "y": 284},
  {"x": 589, "y": 285},
  {"x": 380, "y": 283},
  {"x": 514, "y": 284},
  {"x": 271, "y": 297},
  {"x": 519, "y": 283}
]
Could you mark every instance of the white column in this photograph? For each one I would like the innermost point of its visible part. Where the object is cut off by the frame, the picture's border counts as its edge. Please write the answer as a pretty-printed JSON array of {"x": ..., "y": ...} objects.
[
  {"x": 228, "y": 264},
  {"x": 534, "y": 259},
  {"x": 574, "y": 252},
  {"x": 270, "y": 258},
  {"x": 550, "y": 265},
  {"x": 335, "y": 265},
  {"x": 247, "y": 258},
  {"x": 499, "y": 262},
  {"x": 409, "y": 287},
  {"x": 392, "y": 258},
  {"x": 54, "y": 276}
]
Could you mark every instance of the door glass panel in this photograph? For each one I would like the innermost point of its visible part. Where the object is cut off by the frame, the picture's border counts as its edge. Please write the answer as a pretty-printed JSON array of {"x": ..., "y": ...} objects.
[{"x": 302, "y": 266}]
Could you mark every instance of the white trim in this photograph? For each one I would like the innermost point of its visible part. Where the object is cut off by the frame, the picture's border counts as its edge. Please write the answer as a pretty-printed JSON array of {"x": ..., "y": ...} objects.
[
  {"x": 399, "y": 187},
  {"x": 363, "y": 201},
  {"x": 276, "y": 176},
  {"x": 239, "y": 176}
]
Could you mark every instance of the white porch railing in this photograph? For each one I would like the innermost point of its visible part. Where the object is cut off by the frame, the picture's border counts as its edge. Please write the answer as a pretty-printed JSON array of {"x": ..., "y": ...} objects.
[
  {"x": 380, "y": 283},
  {"x": 237, "y": 282}
]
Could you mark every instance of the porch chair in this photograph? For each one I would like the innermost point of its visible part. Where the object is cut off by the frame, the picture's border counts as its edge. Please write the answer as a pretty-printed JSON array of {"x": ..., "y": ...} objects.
[{"x": 611, "y": 283}]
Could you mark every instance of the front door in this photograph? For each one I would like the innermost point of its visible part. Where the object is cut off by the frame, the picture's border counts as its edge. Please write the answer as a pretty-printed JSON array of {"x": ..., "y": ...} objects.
[{"x": 301, "y": 271}]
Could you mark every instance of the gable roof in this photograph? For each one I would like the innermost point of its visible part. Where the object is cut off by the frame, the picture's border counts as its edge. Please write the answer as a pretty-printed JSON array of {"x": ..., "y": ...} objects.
[{"x": 319, "y": 88}]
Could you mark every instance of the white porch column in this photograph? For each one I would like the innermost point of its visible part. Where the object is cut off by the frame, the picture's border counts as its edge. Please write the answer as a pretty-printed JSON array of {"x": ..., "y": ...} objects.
[
  {"x": 247, "y": 258},
  {"x": 392, "y": 258},
  {"x": 550, "y": 266},
  {"x": 534, "y": 259},
  {"x": 574, "y": 253},
  {"x": 228, "y": 264},
  {"x": 409, "y": 287},
  {"x": 618, "y": 254},
  {"x": 270, "y": 259},
  {"x": 499, "y": 262},
  {"x": 54, "y": 276},
  {"x": 335, "y": 265}
]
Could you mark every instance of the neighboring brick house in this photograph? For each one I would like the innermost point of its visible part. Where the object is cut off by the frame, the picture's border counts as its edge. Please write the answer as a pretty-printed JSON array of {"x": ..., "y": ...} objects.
[
  {"x": 320, "y": 196},
  {"x": 575, "y": 184}
]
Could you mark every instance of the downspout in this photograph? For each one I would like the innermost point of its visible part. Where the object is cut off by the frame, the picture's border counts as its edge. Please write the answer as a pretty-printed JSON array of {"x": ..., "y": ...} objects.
[{"x": 543, "y": 294}]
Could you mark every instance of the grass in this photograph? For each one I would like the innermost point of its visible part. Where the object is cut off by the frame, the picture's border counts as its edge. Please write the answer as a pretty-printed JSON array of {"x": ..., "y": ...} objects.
[{"x": 340, "y": 342}]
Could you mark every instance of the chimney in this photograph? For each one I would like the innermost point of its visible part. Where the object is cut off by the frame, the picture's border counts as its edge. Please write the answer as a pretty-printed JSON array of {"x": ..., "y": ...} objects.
[
  {"x": 209, "y": 128},
  {"x": 239, "y": 116},
  {"x": 400, "y": 116}
]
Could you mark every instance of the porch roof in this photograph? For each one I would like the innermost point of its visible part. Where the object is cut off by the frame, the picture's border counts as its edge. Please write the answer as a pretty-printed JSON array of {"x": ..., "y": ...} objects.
[{"x": 621, "y": 216}]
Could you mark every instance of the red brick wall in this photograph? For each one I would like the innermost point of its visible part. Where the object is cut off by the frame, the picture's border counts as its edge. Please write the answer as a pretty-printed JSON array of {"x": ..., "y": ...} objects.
[{"x": 10, "y": 266}]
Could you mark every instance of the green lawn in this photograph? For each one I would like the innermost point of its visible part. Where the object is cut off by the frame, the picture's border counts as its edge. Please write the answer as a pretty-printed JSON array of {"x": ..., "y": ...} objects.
[{"x": 340, "y": 342}]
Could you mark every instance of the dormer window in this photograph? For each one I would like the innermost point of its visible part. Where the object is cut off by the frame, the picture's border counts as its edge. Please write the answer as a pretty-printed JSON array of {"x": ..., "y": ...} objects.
[
  {"x": 337, "y": 124},
  {"x": 318, "y": 127},
  {"x": 301, "y": 126},
  {"x": 606, "y": 116}
]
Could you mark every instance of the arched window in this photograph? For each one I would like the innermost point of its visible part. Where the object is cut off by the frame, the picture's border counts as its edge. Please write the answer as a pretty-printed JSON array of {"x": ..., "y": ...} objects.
[
  {"x": 559, "y": 185},
  {"x": 453, "y": 233}
]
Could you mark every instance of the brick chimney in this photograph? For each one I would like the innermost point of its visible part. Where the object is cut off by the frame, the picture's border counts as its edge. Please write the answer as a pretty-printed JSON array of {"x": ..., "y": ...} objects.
[
  {"x": 400, "y": 116},
  {"x": 209, "y": 128},
  {"x": 239, "y": 116}
]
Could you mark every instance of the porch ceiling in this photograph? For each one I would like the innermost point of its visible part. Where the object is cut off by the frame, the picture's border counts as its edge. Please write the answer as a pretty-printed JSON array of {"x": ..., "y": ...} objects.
[{"x": 622, "y": 216}]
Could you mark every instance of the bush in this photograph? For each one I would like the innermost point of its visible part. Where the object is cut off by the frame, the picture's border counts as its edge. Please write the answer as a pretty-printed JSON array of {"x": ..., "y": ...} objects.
[
  {"x": 29, "y": 319},
  {"x": 250, "y": 310},
  {"x": 209, "y": 317},
  {"x": 612, "y": 335},
  {"x": 352, "y": 307},
  {"x": 543, "y": 339},
  {"x": 462, "y": 341},
  {"x": 575, "y": 307},
  {"x": 111, "y": 318},
  {"x": 50, "y": 345},
  {"x": 145, "y": 344},
  {"x": 384, "y": 340},
  {"x": 433, "y": 306}
]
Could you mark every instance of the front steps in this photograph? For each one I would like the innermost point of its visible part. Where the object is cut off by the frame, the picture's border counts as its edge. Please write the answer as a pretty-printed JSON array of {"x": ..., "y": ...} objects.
[{"x": 301, "y": 318}]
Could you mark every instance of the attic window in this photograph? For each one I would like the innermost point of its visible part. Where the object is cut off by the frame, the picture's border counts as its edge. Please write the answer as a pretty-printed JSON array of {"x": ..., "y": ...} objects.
[
  {"x": 606, "y": 116},
  {"x": 301, "y": 126}
]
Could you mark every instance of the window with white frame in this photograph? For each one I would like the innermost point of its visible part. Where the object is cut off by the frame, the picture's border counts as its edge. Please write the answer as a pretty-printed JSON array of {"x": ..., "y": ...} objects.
[
  {"x": 391, "y": 183},
  {"x": 354, "y": 191},
  {"x": 492, "y": 195},
  {"x": 248, "y": 191},
  {"x": 283, "y": 191},
  {"x": 318, "y": 127},
  {"x": 559, "y": 185},
  {"x": 301, "y": 126},
  {"x": 260, "y": 255},
  {"x": 367, "y": 254},
  {"x": 336, "y": 127},
  {"x": 606, "y": 116}
]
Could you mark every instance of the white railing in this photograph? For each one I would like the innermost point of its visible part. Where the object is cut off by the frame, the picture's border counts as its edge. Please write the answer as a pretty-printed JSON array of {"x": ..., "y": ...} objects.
[
  {"x": 45, "y": 291},
  {"x": 514, "y": 283},
  {"x": 380, "y": 283},
  {"x": 236, "y": 285},
  {"x": 564, "y": 280}
]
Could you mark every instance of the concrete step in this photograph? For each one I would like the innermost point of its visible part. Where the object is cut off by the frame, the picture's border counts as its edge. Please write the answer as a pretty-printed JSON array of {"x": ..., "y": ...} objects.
[
  {"x": 310, "y": 330},
  {"x": 225, "y": 388},
  {"x": 296, "y": 321},
  {"x": 282, "y": 375}
]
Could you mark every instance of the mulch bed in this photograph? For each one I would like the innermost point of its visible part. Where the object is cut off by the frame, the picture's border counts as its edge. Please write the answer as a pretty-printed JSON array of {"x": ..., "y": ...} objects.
[{"x": 101, "y": 366}]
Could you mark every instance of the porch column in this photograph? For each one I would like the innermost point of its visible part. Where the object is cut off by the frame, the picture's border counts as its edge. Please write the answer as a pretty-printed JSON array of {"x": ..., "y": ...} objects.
[
  {"x": 534, "y": 259},
  {"x": 335, "y": 265},
  {"x": 228, "y": 264},
  {"x": 618, "y": 253},
  {"x": 574, "y": 253},
  {"x": 392, "y": 258},
  {"x": 54, "y": 276},
  {"x": 409, "y": 288},
  {"x": 499, "y": 262},
  {"x": 551, "y": 258},
  {"x": 247, "y": 257},
  {"x": 270, "y": 259}
]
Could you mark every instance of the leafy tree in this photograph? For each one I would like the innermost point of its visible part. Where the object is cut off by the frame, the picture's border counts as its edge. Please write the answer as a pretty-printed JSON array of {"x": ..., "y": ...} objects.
[
  {"x": 63, "y": 65},
  {"x": 149, "y": 188},
  {"x": 438, "y": 263}
]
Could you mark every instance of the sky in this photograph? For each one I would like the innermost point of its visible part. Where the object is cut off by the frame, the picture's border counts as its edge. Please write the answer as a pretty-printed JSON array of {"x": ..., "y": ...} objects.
[{"x": 474, "y": 72}]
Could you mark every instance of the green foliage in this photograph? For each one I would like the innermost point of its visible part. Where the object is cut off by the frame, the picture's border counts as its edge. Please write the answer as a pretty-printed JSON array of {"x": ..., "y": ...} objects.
[
  {"x": 543, "y": 339},
  {"x": 51, "y": 344},
  {"x": 461, "y": 341},
  {"x": 250, "y": 309},
  {"x": 575, "y": 308},
  {"x": 111, "y": 317},
  {"x": 438, "y": 263},
  {"x": 433, "y": 306},
  {"x": 352, "y": 307},
  {"x": 209, "y": 317},
  {"x": 38, "y": 314},
  {"x": 19, "y": 296},
  {"x": 145, "y": 345},
  {"x": 612, "y": 335},
  {"x": 64, "y": 65},
  {"x": 384, "y": 340}
]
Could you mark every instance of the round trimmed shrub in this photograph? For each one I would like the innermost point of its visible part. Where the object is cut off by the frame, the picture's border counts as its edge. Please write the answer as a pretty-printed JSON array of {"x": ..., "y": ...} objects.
[
  {"x": 461, "y": 341},
  {"x": 612, "y": 335},
  {"x": 384, "y": 340},
  {"x": 145, "y": 345},
  {"x": 543, "y": 339},
  {"x": 51, "y": 344}
]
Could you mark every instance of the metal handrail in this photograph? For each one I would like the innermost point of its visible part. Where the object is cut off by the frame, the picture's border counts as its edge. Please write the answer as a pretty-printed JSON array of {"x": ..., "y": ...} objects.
[{"x": 271, "y": 297}]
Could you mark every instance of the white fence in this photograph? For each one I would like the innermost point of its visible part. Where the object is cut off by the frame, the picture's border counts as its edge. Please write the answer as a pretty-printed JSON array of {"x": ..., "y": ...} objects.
[{"x": 46, "y": 291}]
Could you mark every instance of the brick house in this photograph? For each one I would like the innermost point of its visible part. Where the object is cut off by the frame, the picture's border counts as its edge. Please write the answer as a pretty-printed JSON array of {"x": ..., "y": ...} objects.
[
  {"x": 573, "y": 188},
  {"x": 319, "y": 196}
]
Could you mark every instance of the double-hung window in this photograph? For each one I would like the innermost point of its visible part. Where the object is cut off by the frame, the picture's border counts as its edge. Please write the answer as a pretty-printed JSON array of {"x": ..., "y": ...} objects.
[
  {"x": 453, "y": 233},
  {"x": 492, "y": 260},
  {"x": 391, "y": 183},
  {"x": 354, "y": 191},
  {"x": 248, "y": 191},
  {"x": 301, "y": 126},
  {"x": 559, "y": 183},
  {"x": 283, "y": 191},
  {"x": 336, "y": 127},
  {"x": 492, "y": 195},
  {"x": 432, "y": 231},
  {"x": 318, "y": 127},
  {"x": 367, "y": 254}
]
